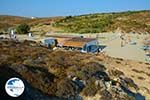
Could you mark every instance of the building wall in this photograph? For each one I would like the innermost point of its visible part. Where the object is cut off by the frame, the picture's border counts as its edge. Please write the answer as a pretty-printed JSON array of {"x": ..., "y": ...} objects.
[
  {"x": 94, "y": 42},
  {"x": 48, "y": 41},
  {"x": 61, "y": 41},
  {"x": 86, "y": 46}
]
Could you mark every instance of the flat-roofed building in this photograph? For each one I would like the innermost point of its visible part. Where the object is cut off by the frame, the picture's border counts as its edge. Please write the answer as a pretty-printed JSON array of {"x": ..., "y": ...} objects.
[
  {"x": 74, "y": 43},
  {"x": 83, "y": 44}
]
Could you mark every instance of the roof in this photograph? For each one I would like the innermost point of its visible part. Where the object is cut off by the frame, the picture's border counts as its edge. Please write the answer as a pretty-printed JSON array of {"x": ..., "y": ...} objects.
[
  {"x": 80, "y": 39},
  {"x": 78, "y": 42},
  {"x": 61, "y": 36}
]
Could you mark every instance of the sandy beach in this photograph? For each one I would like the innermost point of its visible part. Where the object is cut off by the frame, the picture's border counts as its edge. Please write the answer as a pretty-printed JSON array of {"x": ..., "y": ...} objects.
[{"x": 129, "y": 51}]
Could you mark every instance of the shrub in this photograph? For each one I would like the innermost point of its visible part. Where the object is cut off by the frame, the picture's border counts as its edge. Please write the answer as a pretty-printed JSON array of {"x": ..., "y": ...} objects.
[
  {"x": 66, "y": 88},
  {"x": 131, "y": 83},
  {"x": 90, "y": 90},
  {"x": 23, "y": 29},
  {"x": 105, "y": 95},
  {"x": 1, "y": 33},
  {"x": 115, "y": 73},
  {"x": 141, "y": 78}
]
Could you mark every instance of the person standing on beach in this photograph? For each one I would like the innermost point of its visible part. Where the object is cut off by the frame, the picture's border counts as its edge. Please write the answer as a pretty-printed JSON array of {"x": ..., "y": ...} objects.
[
  {"x": 122, "y": 37},
  {"x": 129, "y": 38}
]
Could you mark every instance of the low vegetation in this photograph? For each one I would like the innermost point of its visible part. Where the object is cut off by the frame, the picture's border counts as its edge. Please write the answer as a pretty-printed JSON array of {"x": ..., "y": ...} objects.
[
  {"x": 131, "y": 21},
  {"x": 62, "y": 74},
  {"x": 23, "y": 29}
]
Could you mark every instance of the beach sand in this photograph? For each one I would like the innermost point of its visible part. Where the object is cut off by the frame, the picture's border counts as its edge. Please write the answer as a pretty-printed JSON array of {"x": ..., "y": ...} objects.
[{"x": 131, "y": 52}]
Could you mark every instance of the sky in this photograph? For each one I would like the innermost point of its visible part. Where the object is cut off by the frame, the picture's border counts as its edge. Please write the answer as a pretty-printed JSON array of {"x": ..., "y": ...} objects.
[{"x": 50, "y": 8}]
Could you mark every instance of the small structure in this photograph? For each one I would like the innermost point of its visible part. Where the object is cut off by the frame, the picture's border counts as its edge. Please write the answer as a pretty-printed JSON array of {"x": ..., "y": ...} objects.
[
  {"x": 12, "y": 34},
  {"x": 49, "y": 42},
  {"x": 146, "y": 44},
  {"x": 30, "y": 35},
  {"x": 146, "y": 48},
  {"x": 83, "y": 44},
  {"x": 61, "y": 40},
  {"x": 73, "y": 43},
  {"x": 33, "y": 17}
]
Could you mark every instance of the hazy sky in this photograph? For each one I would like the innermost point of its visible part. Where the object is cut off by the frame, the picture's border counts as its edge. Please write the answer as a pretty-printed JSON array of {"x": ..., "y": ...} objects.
[{"x": 45, "y": 8}]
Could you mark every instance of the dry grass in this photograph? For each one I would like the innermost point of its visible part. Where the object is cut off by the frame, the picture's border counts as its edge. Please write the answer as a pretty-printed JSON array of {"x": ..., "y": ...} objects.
[{"x": 47, "y": 70}]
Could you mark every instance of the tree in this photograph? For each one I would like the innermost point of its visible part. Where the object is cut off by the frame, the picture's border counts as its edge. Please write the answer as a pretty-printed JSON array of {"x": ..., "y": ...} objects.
[{"x": 23, "y": 29}]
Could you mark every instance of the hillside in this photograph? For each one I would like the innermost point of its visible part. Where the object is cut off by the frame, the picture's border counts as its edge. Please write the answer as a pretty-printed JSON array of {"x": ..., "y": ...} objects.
[
  {"x": 7, "y": 21},
  {"x": 131, "y": 21},
  {"x": 72, "y": 75}
]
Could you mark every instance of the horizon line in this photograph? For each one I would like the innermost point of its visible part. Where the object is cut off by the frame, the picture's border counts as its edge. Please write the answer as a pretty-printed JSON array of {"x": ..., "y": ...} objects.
[{"x": 105, "y": 12}]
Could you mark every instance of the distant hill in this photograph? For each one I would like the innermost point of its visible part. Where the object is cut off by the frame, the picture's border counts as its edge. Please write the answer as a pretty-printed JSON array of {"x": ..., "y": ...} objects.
[
  {"x": 131, "y": 21},
  {"x": 7, "y": 21}
]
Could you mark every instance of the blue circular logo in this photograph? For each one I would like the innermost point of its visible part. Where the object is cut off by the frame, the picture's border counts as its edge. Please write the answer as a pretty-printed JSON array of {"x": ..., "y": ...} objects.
[{"x": 14, "y": 87}]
